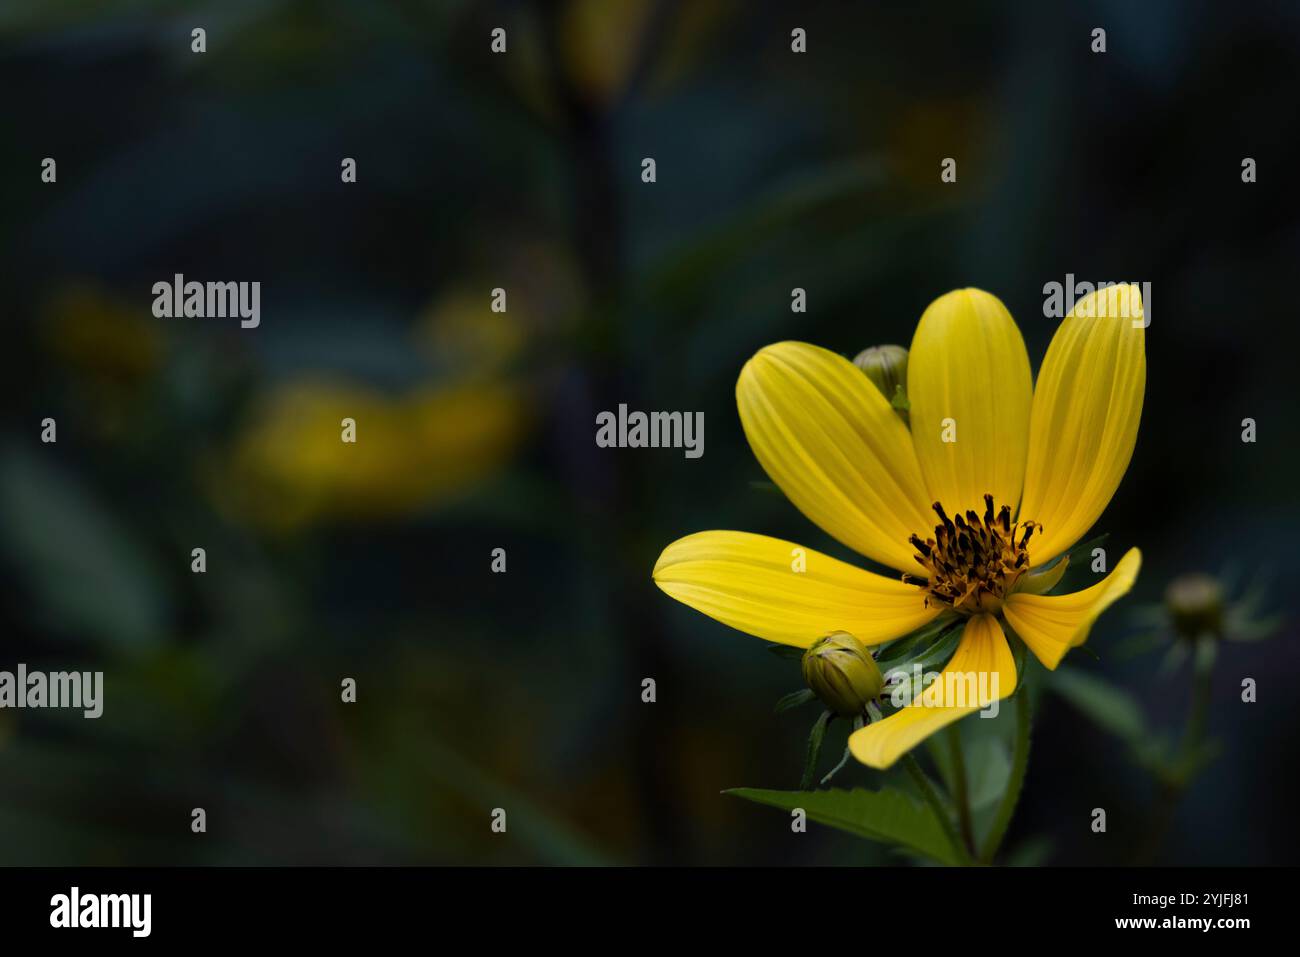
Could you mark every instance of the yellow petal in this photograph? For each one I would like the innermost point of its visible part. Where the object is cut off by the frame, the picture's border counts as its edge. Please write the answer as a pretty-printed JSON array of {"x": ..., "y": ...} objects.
[
  {"x": 981, "y": 671},
  {"x": 832, "y": 443},
  {"x": 1085, "y": 417},
  {"x": 1041, "y": 582},
  {"x": 968, "y": 379},
  {"x": 753, "y": 583},
  {"x": 1050, "y": 625}
]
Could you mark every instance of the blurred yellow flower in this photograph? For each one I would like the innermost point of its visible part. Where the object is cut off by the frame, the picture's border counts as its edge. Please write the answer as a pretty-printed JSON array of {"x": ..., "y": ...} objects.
[
  {"x": 601, "y": 42},
  {"x": 542, "y": 296},
  {"x": 98, "y": 337},
  {"x": 461, "y": 330},
  {"x": 292, "y": 467}
]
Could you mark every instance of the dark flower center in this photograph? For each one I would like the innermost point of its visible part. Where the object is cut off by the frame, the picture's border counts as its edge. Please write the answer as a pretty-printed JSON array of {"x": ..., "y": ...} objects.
[{"x": 974, "y": 561}]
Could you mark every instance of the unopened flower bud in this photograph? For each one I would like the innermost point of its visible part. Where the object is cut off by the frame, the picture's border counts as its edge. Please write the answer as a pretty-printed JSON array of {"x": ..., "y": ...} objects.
[
  {"x": 886, "y": 366},
  {"x": 1195, "y": 603},
  {"x": 840, "y": 671}
]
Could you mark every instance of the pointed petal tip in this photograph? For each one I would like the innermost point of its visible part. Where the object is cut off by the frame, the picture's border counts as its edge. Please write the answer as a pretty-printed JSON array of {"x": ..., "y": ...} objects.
[{"x": 1051, "y": 625}]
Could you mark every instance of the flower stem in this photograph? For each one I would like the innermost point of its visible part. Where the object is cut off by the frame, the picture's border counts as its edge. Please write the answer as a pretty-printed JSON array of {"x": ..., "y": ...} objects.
[
  {"x": 1174, "y": 780},
  {"x": 1202, "y": 685},
  {"x": 932, "y": 798},
  {"x": 857, "y": 725},
  {"x": 961, "y": 793},
  {"x": 1019, "y": 762}
]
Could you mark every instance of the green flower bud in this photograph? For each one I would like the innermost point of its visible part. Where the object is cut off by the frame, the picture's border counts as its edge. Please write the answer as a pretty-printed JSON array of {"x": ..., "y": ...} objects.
[
  {"x": 886, "y": 366},
  {"x": 840, "y": 671},
  {"x": 1195, "y": 604}
]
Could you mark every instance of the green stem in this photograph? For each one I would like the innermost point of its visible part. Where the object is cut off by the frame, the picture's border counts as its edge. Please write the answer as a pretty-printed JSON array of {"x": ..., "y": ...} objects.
[
  {"x": 1175, "y": 779},
  {"x": 961, "y": 793},
  {"x": 1202, "y": 685},
  {"x": 1019, "y": 762},
  {"x": 844, "y": 759},
  {"x": 932, "y": 798}
]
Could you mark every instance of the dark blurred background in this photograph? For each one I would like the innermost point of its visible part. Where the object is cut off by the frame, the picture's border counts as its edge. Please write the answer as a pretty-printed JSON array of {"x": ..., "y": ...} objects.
[{"x": 476, "y": 429}]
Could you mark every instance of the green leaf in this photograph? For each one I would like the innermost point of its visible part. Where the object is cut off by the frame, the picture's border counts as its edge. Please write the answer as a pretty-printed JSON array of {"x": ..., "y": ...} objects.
[
  {"x": 987, "y": 757},
  {"x": 900, "y": 400},
  {"x": 793, "y": 700},
  {"x": 1243, "y": 629},
  {"x": 786, "y": 651},
  {"x": 814, "y": 748},
  {"x": 1140, "y": 644},
  {"x": 1172, "y": 659},
  {"x": 988, "y": 762},
  {"x": 899, "y": 648},
  {"x": 1110, "y": 707},
  {"x": 1033, "y": 852},
  {"x": 888, "y": 816},
  {"x": 938, "y": 653},
  {"x": 929, "y": 660},
  {"x": 85, "y": 572},
  {"x": 1252, "y": 601},
  {"x": 1086, "y": 548}
]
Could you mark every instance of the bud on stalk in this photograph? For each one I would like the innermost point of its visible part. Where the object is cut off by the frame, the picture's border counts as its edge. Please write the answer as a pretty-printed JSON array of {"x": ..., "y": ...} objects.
[{"x": 840, "y": 671}]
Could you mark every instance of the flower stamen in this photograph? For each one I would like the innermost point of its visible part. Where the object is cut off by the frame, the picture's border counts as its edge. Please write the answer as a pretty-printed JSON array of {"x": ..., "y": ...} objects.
[{"x": 974, "y": 561}]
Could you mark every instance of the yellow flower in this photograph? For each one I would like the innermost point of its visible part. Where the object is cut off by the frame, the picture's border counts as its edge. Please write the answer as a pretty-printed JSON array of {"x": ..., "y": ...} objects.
[
  {"x": 102, "y": 338},
  {"x": 600, "y": 42},
  {"x": 461, "y": 332},
  {"x": 939, "y": 502},
  {"x": 291, "y": 468}
]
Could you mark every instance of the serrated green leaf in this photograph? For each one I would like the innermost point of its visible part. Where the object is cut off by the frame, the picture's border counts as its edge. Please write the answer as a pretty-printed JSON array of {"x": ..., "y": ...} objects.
[
  {"x": 888, "y": 816},
  {"x": 1112, "y": 708}
]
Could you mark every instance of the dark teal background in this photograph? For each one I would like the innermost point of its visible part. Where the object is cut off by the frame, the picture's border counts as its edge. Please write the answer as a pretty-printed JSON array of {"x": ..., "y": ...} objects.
[{"x": 522, "y": 171}]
